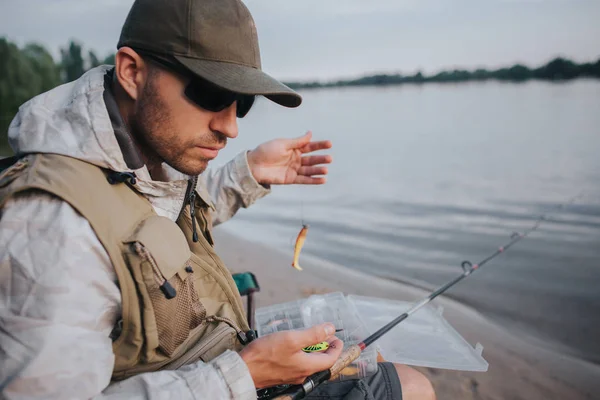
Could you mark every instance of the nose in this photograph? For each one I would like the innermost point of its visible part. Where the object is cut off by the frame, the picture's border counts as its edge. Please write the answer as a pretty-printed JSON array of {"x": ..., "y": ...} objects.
[{"x": 225, "y": 121}]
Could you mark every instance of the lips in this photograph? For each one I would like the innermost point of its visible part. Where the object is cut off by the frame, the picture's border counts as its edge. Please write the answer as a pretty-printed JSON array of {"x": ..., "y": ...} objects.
[
  {"x": 209, "y": 152},
  {"x": 211, "y": 147}
]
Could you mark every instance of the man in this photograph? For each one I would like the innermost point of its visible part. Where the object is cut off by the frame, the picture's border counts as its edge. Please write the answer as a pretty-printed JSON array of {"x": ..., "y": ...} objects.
[{"x": 109, "y": 285}]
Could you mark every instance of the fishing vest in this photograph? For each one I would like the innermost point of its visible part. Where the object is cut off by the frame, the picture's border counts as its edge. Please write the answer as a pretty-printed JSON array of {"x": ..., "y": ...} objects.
[{"x": 179, "y": 302}]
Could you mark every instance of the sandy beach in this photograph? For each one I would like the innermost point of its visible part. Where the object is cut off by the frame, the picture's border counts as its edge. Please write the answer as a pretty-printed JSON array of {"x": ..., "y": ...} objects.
[{"x": 519, "y": 368}]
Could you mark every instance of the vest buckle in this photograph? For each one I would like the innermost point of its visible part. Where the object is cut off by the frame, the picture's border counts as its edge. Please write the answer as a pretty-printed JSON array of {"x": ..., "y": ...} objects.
[{"x": 114, "y": 177}]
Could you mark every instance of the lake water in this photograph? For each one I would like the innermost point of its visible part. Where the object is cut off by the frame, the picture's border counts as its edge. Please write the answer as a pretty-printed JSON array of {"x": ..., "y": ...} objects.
[{"x": 425, "y": 177}]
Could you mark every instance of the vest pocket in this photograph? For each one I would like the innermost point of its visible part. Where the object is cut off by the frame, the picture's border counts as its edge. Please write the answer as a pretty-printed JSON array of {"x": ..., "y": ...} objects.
[
  {"x": 177, "y": 308},
  {"x": 159, "y": 259}
]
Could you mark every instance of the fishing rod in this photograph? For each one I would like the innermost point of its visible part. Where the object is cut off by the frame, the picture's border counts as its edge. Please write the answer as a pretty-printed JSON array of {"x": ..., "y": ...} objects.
[{"x": 350, "y": 354}]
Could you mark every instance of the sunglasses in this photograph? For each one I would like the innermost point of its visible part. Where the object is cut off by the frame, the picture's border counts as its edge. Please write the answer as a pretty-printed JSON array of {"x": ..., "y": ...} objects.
[
  {"x": 215, "y": 99},
  {"x": 205, "y": 94}
]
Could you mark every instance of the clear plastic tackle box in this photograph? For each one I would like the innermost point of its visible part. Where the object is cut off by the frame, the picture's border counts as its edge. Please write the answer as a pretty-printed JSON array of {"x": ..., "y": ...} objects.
[{"x": 424, "y": 339}]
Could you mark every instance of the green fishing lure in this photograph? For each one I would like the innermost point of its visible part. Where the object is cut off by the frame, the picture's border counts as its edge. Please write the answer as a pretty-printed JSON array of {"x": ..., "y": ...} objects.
[{"x": 316, "y": 347}]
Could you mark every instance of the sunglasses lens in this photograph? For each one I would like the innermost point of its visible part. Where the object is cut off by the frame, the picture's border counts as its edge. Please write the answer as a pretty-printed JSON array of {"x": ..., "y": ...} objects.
[
  {"x": 215, "y": 99},
  {"x": 244, "y": 104},
  {"x": 209, "y": 97}
]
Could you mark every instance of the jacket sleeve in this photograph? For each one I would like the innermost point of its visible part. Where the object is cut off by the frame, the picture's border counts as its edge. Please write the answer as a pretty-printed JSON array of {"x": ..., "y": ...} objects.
[
  {"x": 232, "y": 187},
  {"x": 58, "y": 304}
]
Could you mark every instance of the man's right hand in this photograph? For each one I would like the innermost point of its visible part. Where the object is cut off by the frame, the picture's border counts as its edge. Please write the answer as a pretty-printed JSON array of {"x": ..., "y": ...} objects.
[{"x": 278, "y": 358}]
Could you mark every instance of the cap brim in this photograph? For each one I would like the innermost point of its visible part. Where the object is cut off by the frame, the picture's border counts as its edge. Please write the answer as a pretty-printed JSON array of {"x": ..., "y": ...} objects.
[{"x": 242, "y": 79}]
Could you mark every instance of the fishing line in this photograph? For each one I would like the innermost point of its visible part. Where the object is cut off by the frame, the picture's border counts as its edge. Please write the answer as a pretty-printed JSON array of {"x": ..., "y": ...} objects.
[
  {"x": 292, "y": 239},
  {"x": 297, "y": 392}
]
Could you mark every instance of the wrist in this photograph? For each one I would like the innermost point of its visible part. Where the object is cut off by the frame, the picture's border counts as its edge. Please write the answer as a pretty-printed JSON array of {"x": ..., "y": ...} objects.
[
  {"x": 252, "y": 164},
  {"x": 254, "y": 168},
  {"x": 249, "y": 357}
]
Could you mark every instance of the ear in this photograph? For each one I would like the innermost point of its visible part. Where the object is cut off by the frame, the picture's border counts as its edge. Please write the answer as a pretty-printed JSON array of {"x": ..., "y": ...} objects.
[{"x": 131, "y": 71}]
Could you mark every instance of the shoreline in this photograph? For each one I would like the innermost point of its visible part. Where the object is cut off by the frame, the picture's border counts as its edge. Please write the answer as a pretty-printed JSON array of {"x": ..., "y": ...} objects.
[{"x": 518, "y": 368}]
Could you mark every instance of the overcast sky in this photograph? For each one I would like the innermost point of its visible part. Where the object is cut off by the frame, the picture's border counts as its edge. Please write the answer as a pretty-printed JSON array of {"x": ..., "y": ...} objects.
[{"x": 323, "y": 39}]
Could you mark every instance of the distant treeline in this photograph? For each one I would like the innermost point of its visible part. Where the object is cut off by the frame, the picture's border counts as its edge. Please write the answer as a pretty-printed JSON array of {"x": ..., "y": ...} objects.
[
  {"x": 28, "y": 71},
  {"x": 556, "y": 70}
]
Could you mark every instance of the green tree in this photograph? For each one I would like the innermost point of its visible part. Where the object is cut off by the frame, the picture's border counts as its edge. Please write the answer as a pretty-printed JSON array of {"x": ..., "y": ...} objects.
[
  {"x": 109, "y": 60},
  {"x": 591, "y": 70},
  {"x": 24, "y": 73},
  {"x": 17, "y": 83},
  {"x": 480, "y": 74},
  {"x": 558, "y": 69},
  {"x": 515, "y": 73},
  {"x": 47, "y": 73},
  {"x": 72, "y": 63},
  {"x": 93, "y": 60}
]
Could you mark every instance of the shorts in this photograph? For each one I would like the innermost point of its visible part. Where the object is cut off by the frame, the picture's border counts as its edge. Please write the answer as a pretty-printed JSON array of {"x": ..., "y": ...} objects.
[{"x": 383, "y": 385}]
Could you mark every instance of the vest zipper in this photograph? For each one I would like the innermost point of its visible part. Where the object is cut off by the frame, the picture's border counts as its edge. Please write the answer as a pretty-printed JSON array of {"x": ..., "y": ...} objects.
[
  {"x": 207, "y": 233},
  {"x": 192, "y": 354},
  {"x": 223, "y": 272},
  {"x": 192, "y": 202},
  {"x": 164, "y": 285},
  {"x": 236, "y": 303},
  {"x": 240, "y": 334}
]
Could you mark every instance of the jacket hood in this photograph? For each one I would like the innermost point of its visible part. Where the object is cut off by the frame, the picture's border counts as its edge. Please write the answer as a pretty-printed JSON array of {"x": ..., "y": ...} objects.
[
  {"x": 70, "y": 120},
  {"x": 73, "y": 120}
]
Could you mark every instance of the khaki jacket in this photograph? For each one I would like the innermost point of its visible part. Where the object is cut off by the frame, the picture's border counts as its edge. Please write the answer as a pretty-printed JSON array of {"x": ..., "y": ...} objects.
[{"x": 59, "y": 297}]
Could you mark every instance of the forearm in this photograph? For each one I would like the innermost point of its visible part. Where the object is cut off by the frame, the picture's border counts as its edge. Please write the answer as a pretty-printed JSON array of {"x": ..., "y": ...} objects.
[{"x": 226, "y": 377}]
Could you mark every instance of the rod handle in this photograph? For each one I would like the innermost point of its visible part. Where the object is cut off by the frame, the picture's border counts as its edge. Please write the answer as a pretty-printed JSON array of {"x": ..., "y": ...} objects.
[{"x": 348, "y": 355}]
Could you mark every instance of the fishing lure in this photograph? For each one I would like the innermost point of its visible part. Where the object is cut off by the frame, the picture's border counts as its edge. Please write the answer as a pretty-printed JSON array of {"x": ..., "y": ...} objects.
[
  {"x": 316, "y": 347},
  {"x": 319, "y": 346},
  {"x": 298, "y": 247}
]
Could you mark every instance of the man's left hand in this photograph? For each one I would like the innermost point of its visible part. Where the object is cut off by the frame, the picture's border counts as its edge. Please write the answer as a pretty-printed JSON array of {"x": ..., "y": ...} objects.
[{"x": 287, "y": 161}]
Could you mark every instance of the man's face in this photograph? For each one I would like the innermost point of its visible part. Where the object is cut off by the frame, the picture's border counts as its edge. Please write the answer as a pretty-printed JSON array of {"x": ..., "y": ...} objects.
[{"x": 168, "y": 125}]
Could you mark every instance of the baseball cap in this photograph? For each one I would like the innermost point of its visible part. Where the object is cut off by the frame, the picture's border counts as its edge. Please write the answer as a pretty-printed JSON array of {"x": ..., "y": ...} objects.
[{"x": 215, "y": 40}]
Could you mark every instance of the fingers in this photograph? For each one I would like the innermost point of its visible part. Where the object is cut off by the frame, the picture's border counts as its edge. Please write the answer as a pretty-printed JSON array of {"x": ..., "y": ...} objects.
[
  {"x": 306, "y": 175},
  {"x": 314, "y": 160},
  {"x": 310, "y": 171},
  {"x": 309, "y": 180},
  {"x": 300, "y": 142},
  {"x": 310, "y": 336},
  {"x": 335, "y": 348},
  {"x": 315, "y": 146}
]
